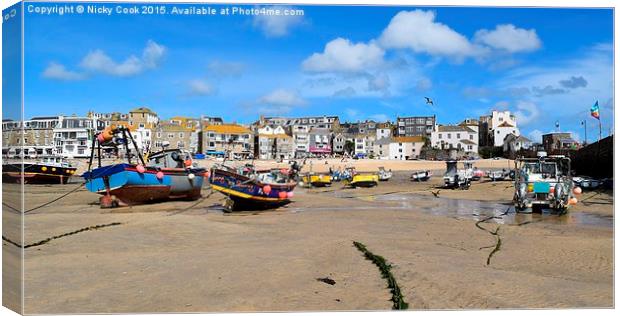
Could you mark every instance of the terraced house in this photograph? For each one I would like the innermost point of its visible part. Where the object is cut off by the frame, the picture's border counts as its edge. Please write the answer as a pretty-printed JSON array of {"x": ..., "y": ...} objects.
[
  {"x": 273, "y": 142},
  {"x": 178, "y": 136},
  {"x": 237, "y": 139}
]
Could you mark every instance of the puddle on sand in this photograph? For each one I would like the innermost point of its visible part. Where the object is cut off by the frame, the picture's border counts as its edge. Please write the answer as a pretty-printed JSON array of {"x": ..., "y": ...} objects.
[{"x": 467, "y": 209}]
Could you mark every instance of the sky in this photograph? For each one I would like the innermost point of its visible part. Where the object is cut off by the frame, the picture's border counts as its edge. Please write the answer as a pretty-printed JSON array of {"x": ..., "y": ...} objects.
[{"x": 546, "y": 65}]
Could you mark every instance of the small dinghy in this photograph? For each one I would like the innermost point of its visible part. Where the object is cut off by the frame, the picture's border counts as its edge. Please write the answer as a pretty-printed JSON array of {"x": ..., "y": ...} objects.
[
  {"x": 317, "y": 179},
  {"x": 362, "y": 179},
  {"x": 420, "y": 176},
  {"x": 165, "y": 175},
  {"x": 384, "y": 175}
]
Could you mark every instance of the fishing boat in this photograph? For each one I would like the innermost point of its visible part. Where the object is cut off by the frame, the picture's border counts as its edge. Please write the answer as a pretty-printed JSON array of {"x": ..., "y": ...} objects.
[
  {"x": 384, "y": 175},
  {"x": 317, "y": 180},
  {"x": 47, "y": 170},
  {"x": 421, "y": 175},
  {"x": 364, "y": 180},
  {"x": 247, "y": 188},
  {"x": 164, "y": 175}
]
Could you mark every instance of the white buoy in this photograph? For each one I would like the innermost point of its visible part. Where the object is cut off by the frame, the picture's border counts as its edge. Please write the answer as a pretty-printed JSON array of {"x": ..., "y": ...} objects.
[{"x": 191, "y": 176}]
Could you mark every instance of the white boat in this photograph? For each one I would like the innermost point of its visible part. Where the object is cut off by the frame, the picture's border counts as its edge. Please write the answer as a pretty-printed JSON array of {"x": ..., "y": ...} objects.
[
  {"x": 421, "y": 175},
  {"x": 384, "y": 175}
]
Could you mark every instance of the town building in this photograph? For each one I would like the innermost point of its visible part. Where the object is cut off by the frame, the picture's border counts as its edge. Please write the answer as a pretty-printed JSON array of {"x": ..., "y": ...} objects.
[
  {"x": 176, "y": 136},
  {"x": 319, "y": 141},
  {"x": 273, "y": 142},
  {"x": 339, "y": 141},
  {"x": 494, "y": 128},
  {"x": 459, "y": 137},
  {"x": 236, "y": 139},
  {"x": 414, "y": 126},
  {"x": 73, "y": 135},
  {"x": 514, "y": 143},
  {"x": 301, "y": 139},
  {"x": 383, "y": 130},
  {"x": 399, "y": 148},
  {"x": 36, "y": 136},
  {"x": 143, "y": 117},
  {"x": 559, "y": 141}
]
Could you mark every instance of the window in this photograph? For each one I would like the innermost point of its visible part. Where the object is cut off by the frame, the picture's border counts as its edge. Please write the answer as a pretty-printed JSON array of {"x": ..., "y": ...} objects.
[
  {"x": 170, "y": 135},
  {"x": 449, "y": 136},
  {"x": 439, "y": 136},
  {"x": 158, "y": 134},
  {"x": 458, "y": 135},
  {"x": 471, "y": 137},
  {"x": 181, "y": 135}
]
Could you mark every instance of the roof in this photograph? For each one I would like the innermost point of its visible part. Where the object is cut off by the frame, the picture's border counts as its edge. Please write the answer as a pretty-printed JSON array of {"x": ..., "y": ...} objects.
[
  {"x": 523, "y": 139},
  {"x": 44, "y": 118},
  {"x": 383, "y": 141},
  {"x": 468, "y": 142},
  {"x": 142, "y": 110},
  {"x": 227, "y": 129},
  {"x": 273, "y": 136},
  {"x": 174, "y": 128},
  {"x": 454, "y": 128},
  {"x": 505, "y": 124},
  {"x": 408, "y": 139}
]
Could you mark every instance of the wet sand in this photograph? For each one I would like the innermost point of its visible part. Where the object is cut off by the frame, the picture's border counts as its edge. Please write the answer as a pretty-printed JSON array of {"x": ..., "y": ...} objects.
[{"x": 188, "y": 256}]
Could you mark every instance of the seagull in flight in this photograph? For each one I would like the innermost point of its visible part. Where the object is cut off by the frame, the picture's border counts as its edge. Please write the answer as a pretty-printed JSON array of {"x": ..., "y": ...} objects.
[{"x": 429, "y": 101}]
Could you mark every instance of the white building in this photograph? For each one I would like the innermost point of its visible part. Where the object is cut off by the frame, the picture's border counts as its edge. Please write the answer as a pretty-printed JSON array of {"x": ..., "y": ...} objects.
[
  {"x": 502, "y": 123},
  {"x": 73, "y": 135},
  {"x": 399, "y": 148},
  {"x": 364, "y": 144},
  {"x": 301, "y": 139},
  {"x": 383, "y": 130},
  {"x": 513, "y": 143},
  {"x": 455, "y": 137},
  {"x": 274, "y": 143}
]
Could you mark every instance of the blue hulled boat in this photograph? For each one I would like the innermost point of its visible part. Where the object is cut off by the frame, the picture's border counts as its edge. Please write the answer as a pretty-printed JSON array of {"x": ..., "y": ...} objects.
[{"x": 164, "y": 175}]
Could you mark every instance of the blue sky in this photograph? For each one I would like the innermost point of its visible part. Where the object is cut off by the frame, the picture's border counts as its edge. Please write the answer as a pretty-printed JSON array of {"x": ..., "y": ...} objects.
[{"x": 358, "y": 62}]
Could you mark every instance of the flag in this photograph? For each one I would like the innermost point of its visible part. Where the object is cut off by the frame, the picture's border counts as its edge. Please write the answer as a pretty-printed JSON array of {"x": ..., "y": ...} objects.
[{"x": 594, "y": 111}]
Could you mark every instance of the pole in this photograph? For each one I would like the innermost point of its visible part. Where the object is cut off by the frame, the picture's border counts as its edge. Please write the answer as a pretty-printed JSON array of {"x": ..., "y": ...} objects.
[{"x": 585, "y": 131}]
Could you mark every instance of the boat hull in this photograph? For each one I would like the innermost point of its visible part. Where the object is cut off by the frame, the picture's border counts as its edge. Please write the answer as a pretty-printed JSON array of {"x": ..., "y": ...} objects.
[
  {"x": 131, "y": 186},
  {"x": 364, "y": 180},
  {"x": 34, "y": 173},
  {"x": 317, "y": 180}
]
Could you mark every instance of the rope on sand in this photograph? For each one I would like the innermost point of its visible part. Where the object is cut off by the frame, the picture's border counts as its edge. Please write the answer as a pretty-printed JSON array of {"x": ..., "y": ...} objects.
[
  {"x": 46, "y": 240},
  {"x": 56, "y": 199},
  {"x": 386, "y": 273}
]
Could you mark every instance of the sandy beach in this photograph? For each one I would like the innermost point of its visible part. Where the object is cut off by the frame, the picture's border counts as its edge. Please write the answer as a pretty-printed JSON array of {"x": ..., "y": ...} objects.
[{"x": 189, "y": 256}]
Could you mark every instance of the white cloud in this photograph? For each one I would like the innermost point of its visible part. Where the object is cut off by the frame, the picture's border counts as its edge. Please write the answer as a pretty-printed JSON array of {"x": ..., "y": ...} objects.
[
  {"x": 277, "y": 25},
  {"x": 424, "y": 84},
  {"x": 283, "y": 97},
  {"x": 509, "y": 38},
  {"x": 526, "y": 112},
  {"x": 226, "y": 68},
  {"x": 199, "y": 87},
  {"x": 418, "y": 31},
  {"x": 379, "y": 83},
  {"x": 346, "y": 92},
  {"x": 574, "y": 82},
  {"x": 58, "y": 71},
  {"x": 341, "y": 55},
  {"x": 98, "y": 61}
]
